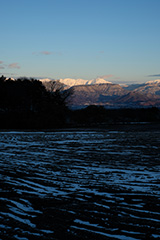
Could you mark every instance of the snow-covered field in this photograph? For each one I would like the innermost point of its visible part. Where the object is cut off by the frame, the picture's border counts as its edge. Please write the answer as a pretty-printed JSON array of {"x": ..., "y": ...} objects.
[{"x": 80, "y": 185}]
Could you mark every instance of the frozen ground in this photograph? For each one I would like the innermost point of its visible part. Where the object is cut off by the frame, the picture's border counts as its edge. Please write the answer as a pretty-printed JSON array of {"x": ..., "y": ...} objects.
[{"x": 80, "y": 185}]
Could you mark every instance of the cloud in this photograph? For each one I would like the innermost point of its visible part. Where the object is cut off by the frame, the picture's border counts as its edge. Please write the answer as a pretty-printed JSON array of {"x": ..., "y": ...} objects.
[
  {"x": 14, "y": 65},
  {"x": 8, "y": 74},
  {"x": 46, "y": 53},
  {"x": 106, "y": 76},
  {"x": 42, "y": 53},
  {"x": 154, "y": 75},
  {"x": 11, "y": 65},
  {"x": 101, "y": 52},
  {"x": 2, "y": 66}
]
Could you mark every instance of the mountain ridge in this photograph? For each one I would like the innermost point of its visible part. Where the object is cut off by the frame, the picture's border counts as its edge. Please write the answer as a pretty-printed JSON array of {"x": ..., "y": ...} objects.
[
  {"x": 102, "y": 92},
  {"x": 70, "y": 82},
  {"x": 114, "y": 95}
]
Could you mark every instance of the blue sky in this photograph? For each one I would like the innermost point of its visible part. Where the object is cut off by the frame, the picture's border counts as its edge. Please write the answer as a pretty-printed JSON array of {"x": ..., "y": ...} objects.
[{"x": 81, "y": 39}]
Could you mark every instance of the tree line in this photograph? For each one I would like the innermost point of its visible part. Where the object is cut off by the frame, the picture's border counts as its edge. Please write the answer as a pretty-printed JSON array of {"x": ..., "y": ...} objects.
[{"x": 26, "y": 102}]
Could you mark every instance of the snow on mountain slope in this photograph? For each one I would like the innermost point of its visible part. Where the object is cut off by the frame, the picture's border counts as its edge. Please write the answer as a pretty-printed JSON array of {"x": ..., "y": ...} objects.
[
  {"x": 75, "y": 82},
  {"x": 150, "y": 87},
  {"x": 97, "y": 81},
  {"x": 46, "y": 80},
  {"x": 157, "y": 81},
  {"x": 70, "y": 82}
]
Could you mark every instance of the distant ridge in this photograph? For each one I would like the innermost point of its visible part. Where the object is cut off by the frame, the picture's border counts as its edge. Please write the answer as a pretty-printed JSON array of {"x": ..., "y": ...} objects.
[
  {"x": 114, "y": 95},
  {"x": 104, "y": 93},
  {"x": 70, "y": 82},
  {"x": 157, "y": 81},
  {"x": 101, "y": 92}
]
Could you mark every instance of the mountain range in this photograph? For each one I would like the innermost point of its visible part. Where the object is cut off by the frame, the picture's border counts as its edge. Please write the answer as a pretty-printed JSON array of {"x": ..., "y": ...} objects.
[
  {"x": 69, "y": 82},
  {"x": 101, "y": 92}
]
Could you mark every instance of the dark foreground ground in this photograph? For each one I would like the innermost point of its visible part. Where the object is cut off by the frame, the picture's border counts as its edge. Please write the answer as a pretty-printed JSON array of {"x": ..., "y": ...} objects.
[
  {"x": 80, "y": 184},
  {"x": 125, "y": 127}
]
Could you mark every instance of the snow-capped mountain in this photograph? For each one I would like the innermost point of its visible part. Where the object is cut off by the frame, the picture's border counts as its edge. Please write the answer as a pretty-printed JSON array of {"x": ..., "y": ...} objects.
[
  {"x": 150, "y": 87},
  {"x": 46, "y": 80},
  {"x": 75, "y": 82},
  {"x": 70, "y": 82},
  {"x": 101, "y": 92},
  {"x": 136, "y": 95},
  {"x": 157, "y": 81}
]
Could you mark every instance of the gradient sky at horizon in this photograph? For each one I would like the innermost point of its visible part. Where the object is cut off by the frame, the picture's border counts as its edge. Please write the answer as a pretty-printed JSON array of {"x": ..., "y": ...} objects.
[{"x": 81, "y": 39}]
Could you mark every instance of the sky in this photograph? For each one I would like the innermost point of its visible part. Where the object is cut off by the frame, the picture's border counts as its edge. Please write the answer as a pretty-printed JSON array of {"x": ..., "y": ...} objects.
[{"x": 118, "y": 40}]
